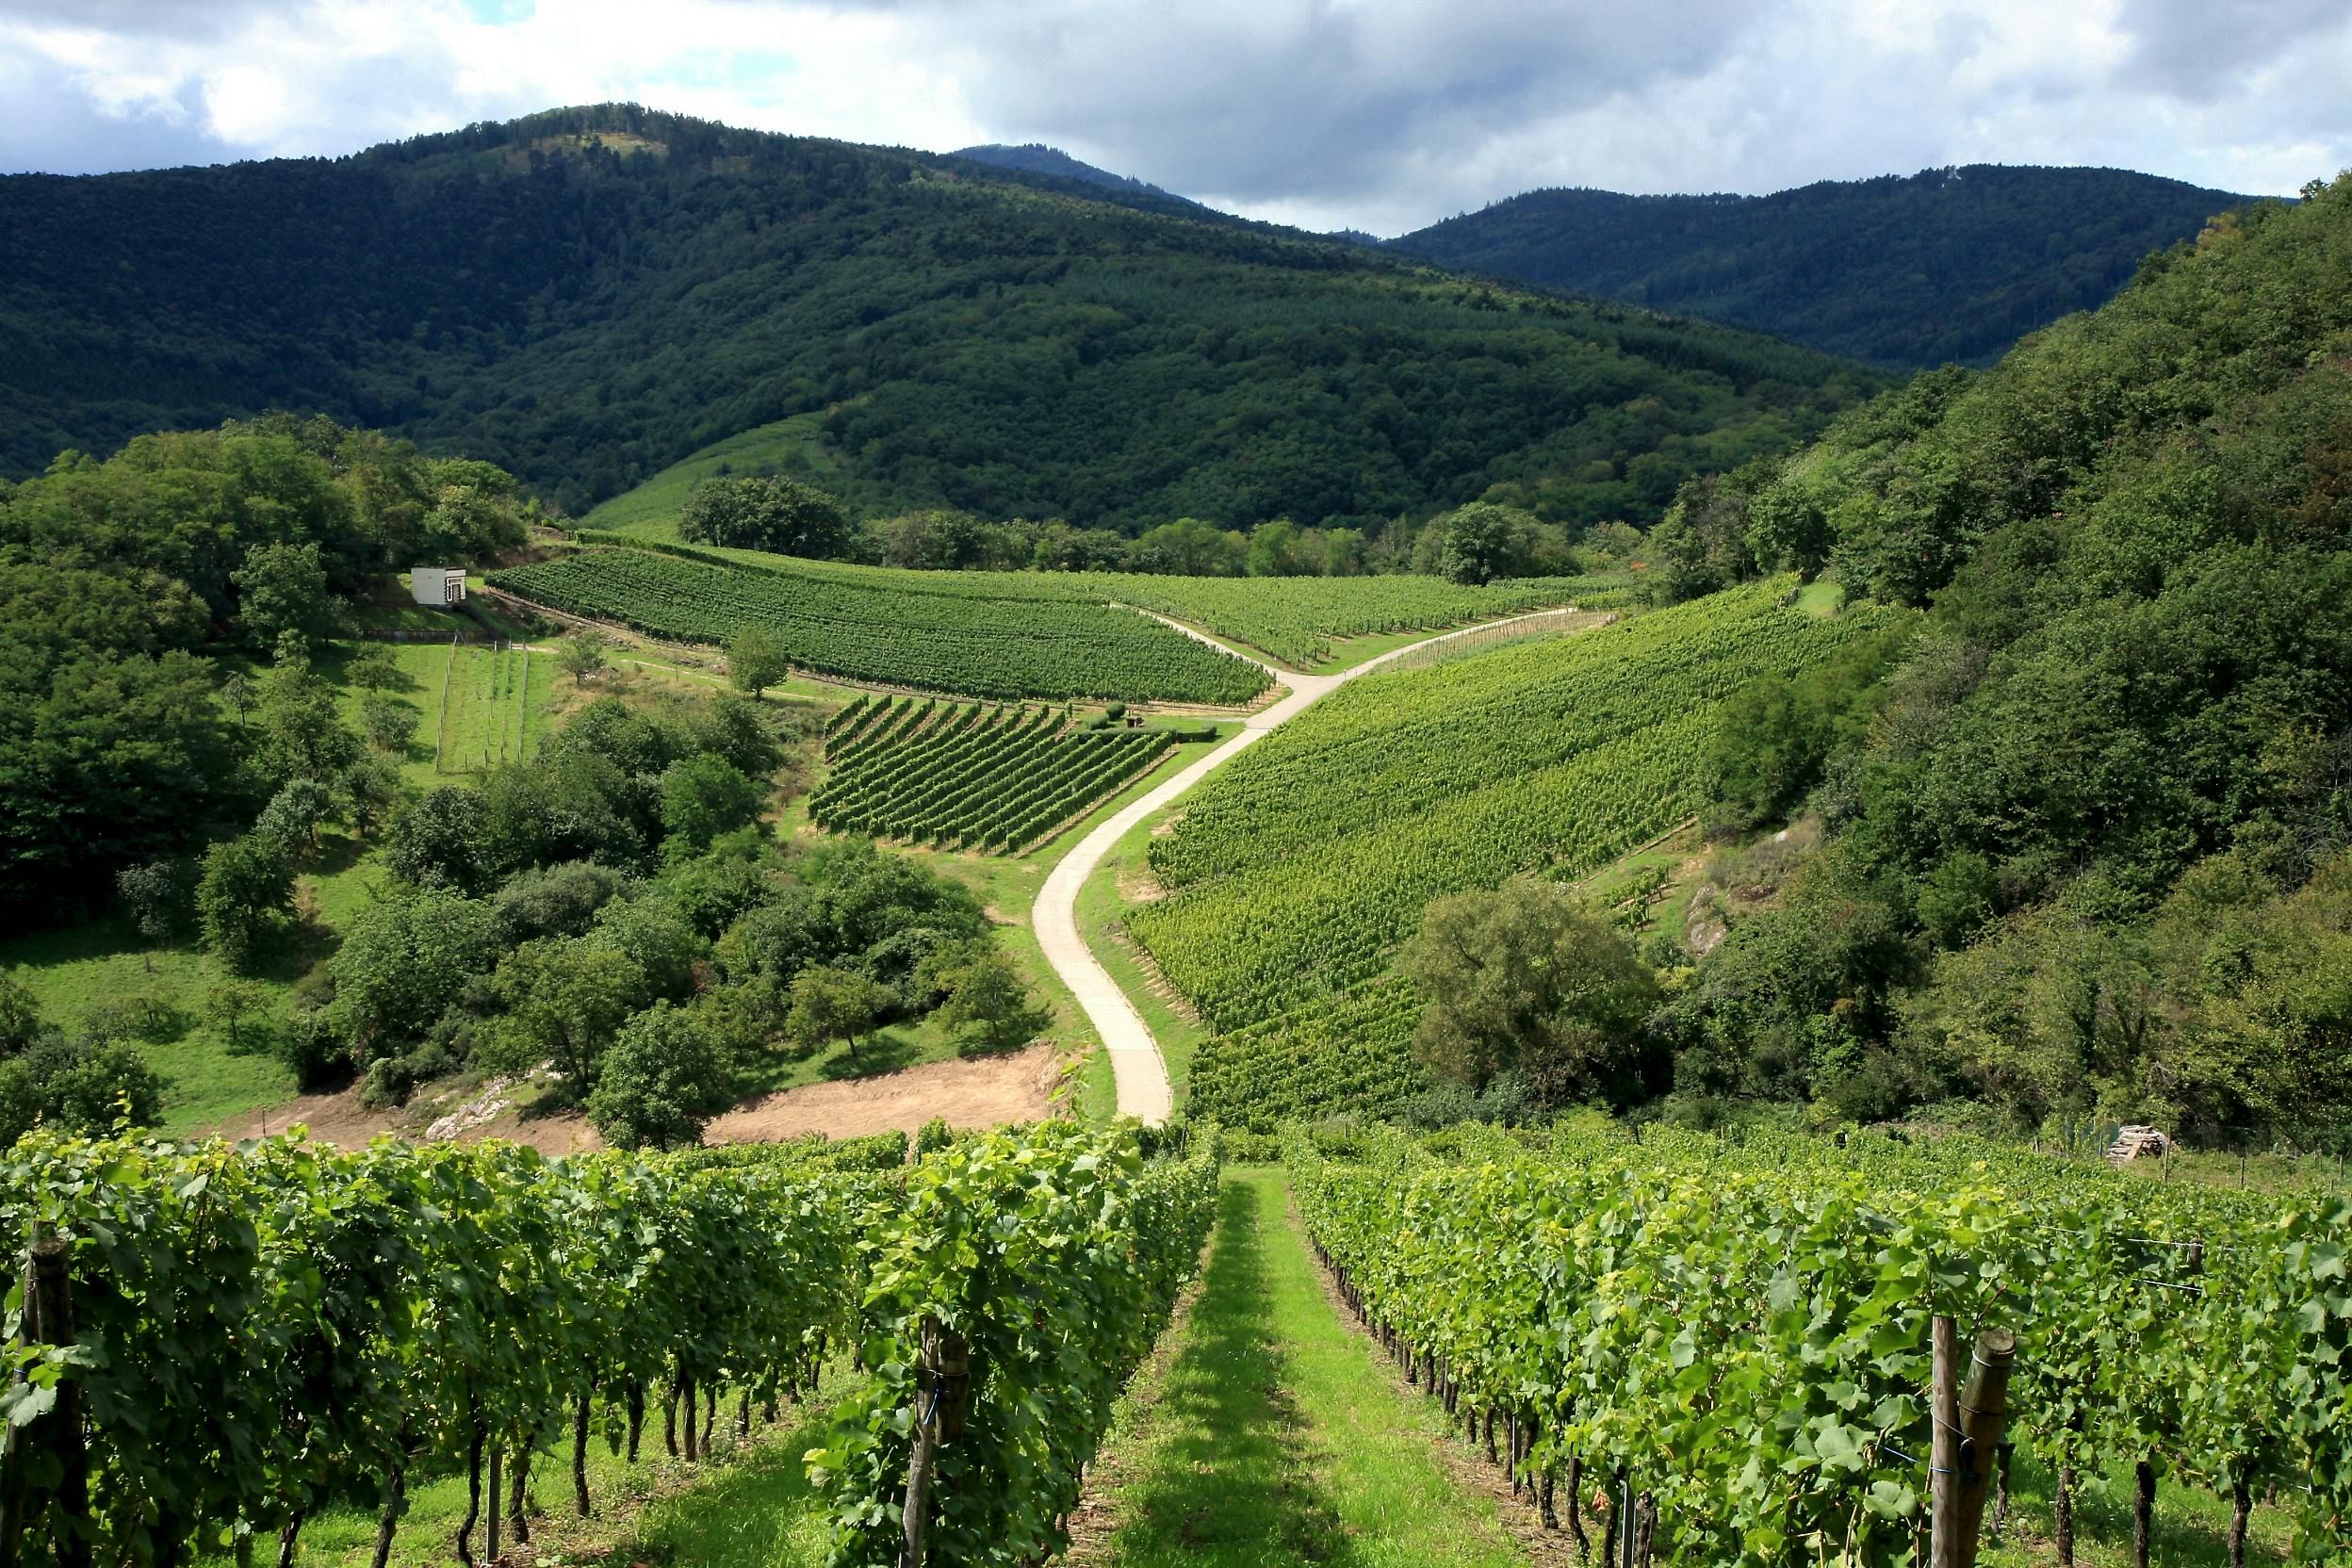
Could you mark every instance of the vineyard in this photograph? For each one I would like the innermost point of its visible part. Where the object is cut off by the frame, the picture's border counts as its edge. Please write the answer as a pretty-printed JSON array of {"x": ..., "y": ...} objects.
[
  {"x": 1350, "y": 1053},
  {"x": 991, "y": 647},
  {"x": 965, "y": 777},
  {"x": 1299, "y": 868},
  {"x": 486, "y": 707},
  {"x": 221, "y": 1341},
  {"x": 1293, "y": 618},
  {"x": 1732, "y": 1343}
]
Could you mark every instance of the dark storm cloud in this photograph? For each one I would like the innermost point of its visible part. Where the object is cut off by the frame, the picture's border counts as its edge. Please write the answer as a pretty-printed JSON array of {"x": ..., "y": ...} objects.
[{"x": 1260, "y": 101}]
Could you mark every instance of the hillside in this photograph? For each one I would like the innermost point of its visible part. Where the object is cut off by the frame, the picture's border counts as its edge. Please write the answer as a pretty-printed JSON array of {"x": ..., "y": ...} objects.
[
  {"x": 2114, "y": 768},
  {"x": 1946, "y": 266},
  {"x": 2070, "y": 839},
  {"x": 586, "y": 296}
]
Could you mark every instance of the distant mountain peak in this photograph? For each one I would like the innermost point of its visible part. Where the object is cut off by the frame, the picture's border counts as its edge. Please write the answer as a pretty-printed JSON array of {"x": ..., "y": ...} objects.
[{"x": 1036, "y": 157}]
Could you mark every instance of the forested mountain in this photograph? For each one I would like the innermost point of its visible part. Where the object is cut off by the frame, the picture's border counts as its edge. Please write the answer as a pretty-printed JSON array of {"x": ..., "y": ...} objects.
[
  {"x": 1035, "y": 158},
  {"x": 2091, "y": 832},
  {"x": 584, "y": 295},
  {"x": 1946, "y": 266}
]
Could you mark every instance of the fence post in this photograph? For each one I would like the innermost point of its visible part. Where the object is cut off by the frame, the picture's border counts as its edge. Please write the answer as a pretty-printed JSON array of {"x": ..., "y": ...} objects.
[
  {"x": 1943, "y": 1473},
  {"x": 1984, "y": 1420}
]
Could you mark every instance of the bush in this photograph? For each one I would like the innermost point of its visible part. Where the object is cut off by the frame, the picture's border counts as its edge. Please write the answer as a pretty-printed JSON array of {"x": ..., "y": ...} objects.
[
  {"x": 934, "y": 1135},
  {"x": 662, "y": 1079},
  {"x": 313, "y": 1051},
  {"x": 247, "y": 891},
  {"x": 77, "y": 1086},
  {"x": 391, "y": 1079},
  {"x": 554, "y": 901}
]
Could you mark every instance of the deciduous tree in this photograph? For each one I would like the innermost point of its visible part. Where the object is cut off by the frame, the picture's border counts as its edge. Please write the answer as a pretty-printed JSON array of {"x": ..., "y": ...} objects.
[
  {"x": 246, "y": 892},
  {"x": 756, "y": 661},
  {"x": 1526, "y": 980}
]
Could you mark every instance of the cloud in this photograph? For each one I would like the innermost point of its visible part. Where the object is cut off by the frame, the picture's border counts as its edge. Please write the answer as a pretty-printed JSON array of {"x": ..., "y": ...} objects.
[
  {"x": 2200, "y": 49},
  {"x": 1382, "y": 114}
]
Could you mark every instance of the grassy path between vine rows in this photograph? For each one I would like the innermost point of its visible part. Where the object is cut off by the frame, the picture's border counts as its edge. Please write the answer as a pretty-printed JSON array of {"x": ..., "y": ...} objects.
[{"x": 1267, "y": 1432}]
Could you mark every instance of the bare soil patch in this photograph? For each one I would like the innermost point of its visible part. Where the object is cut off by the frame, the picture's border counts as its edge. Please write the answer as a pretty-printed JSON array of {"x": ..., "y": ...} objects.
[
  {"x": 1138, "y": 885},
  {"x": 978, "y": 1091},
  {"x": 340, "y": 1120},
  {"x": 981, "y": 1091}
]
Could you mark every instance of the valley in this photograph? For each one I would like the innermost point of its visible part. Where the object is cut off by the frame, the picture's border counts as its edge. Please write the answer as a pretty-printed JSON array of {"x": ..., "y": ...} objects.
[{"x": 1083, "y": 882}]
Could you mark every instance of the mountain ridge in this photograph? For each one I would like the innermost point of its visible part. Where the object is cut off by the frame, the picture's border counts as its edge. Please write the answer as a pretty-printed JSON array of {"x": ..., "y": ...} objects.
[
  {"x": 1892, "y": 270},
  {"x": 1036, "y": 157},
  {"x": 587, "y": 295}
]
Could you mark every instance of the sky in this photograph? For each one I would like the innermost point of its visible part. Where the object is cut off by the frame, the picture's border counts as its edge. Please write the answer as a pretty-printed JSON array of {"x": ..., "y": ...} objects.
[{"x": 1382, "y": 115}]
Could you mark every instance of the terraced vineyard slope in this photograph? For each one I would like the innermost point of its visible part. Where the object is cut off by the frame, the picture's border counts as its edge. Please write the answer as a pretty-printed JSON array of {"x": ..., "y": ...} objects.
[
  {"x": 965, "y": 777},
  {"x": 1009, "y": 647},
  {"x": 1299, "y": 870}
]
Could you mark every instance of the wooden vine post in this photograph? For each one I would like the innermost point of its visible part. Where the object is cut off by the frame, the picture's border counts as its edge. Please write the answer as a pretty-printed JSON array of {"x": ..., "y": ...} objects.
[
  {"x": 48, "y": 1319},
  {"x": 1984, "y": 1421},
  {"x": 943, "y": 1383},
  {"x": 1943, "y": 1471},
  {"x": 1969, "y": 1425}
]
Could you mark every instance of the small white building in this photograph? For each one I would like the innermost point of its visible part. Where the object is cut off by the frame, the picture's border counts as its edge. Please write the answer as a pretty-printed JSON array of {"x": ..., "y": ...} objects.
[{"x": 438, "y": 586}]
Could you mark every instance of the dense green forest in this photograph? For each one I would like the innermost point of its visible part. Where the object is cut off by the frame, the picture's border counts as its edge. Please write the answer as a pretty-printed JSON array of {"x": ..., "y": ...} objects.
[
  {"x": 1946, "y": 266},
  {"x": 119, "y": 744},
  {"x": 2089, "y": 833},
  {"x": 586, "y": 296}
]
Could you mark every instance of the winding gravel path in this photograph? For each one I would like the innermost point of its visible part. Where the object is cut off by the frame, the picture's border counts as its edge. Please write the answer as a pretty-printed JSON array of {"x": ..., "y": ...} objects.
[{"x": 1135, "y": 1061}]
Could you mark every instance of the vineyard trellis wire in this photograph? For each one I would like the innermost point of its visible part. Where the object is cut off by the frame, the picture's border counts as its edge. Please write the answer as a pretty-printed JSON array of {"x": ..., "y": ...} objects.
[
  {"x": 1005, "y": 649},
  {"x": 1298, "y": 869},
  {"x": 1296, "y": 619}
]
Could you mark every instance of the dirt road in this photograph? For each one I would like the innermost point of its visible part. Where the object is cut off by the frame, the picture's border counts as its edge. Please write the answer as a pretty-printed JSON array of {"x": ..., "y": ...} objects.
[{"x": 1135, "y": 1061}]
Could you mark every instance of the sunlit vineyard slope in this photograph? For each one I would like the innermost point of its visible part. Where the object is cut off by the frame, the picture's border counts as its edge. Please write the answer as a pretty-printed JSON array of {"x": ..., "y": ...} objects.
[
  {"x": 968, "y": 776},
  {"x": 994, "y": 647},
  {"x": 1299, "y": 870}
]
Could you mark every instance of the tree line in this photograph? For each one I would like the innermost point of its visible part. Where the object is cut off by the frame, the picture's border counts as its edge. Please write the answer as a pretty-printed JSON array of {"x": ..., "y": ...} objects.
[
  {"x": 973, "y": 338},
  {"x": 1477, "y": 542}
]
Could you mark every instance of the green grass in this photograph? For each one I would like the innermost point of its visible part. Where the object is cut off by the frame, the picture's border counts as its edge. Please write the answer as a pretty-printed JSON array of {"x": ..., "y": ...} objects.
[
  {"x": 1273, "y": 1435},
  {"x": 1820, "y": 598},
  {"x": 1348, "y": 652},
  {"x": 2192, "y": 1525},
  {"x": 75, "y": 971},
  {"x": 650, "y": 511},
  {"x": 483, "y": 721}
]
